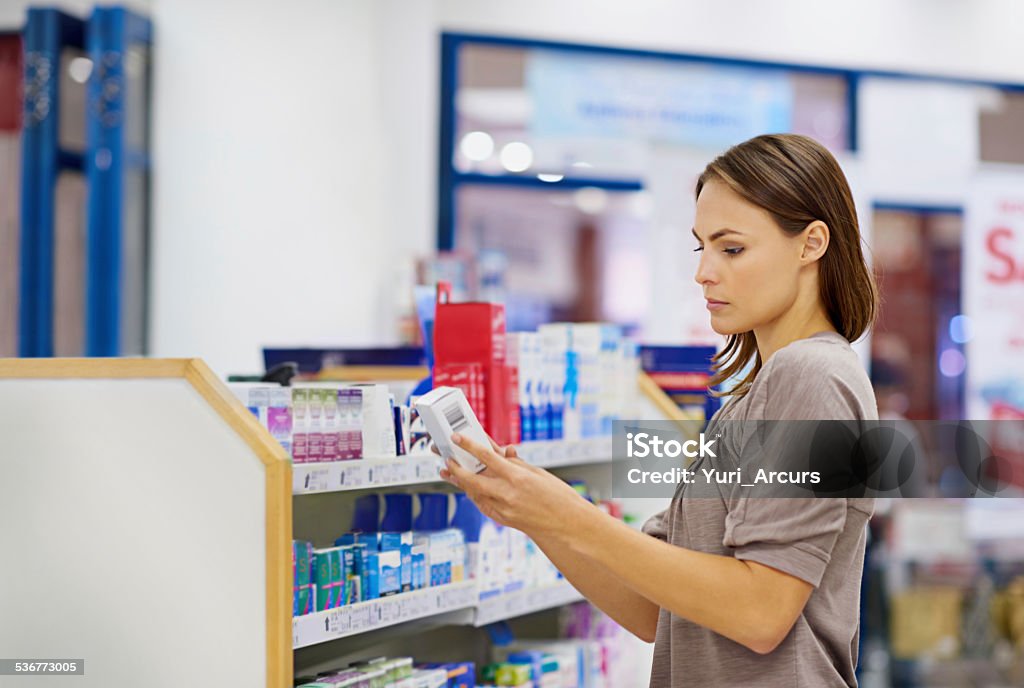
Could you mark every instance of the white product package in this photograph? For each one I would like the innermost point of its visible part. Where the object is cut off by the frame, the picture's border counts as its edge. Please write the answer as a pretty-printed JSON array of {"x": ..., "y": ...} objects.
[{"x": 444, "y": 411}]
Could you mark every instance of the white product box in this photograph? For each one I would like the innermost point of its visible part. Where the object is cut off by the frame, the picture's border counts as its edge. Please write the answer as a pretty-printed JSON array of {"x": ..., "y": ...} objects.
[
  {"x": 444, "y": 410},
  {"x": 378, "y": 431}
]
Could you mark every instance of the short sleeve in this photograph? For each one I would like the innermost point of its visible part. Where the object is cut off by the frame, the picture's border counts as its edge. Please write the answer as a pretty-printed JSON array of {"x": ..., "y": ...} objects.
[
  {"x": 794, "y": 535},
  {"x": 657, "y": 525},
  {"x": 806, "y": 383}
]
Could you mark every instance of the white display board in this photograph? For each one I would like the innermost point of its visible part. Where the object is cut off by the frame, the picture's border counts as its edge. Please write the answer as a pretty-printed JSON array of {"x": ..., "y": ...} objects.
[{"x": 134, "y": 527}]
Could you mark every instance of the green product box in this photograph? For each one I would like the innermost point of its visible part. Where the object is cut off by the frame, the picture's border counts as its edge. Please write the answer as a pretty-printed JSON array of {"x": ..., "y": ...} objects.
[
  {"x": 338, "y": 577},
  {"x": 302, "y": 555},
  {"x": 512, "y": 674}
]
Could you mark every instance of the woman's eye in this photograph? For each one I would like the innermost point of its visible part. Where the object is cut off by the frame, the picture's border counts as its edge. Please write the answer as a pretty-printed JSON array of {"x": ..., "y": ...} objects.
[
  {"x": 733, "y": 251},
  {"x": 698, "y": 249}
]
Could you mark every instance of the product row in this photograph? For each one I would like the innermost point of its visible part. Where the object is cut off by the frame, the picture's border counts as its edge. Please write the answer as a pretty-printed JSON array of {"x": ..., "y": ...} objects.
[
  {"x": 566, "y": 381},
  {"x": 397, "y": 554},
  {"x": 589, "y": 655}
]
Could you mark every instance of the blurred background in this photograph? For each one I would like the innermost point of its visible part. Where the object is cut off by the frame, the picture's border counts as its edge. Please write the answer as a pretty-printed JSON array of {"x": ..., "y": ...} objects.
[{"x": 184, "y": 178}]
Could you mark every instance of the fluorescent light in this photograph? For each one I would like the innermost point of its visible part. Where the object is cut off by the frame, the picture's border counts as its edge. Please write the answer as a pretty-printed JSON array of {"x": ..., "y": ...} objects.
[
  {"x": 961, "y": 329},
  {"x": 79, "y": 69},
  {"x": 952, "y": 363},
  {"x": 477, "y": 146},
  {"x": 551, "y": 178},
  {"x": 516, "y": 157},
  {"x": 591, "y": 200}
]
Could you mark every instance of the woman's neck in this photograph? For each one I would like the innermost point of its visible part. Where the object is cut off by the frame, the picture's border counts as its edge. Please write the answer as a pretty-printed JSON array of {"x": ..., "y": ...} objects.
[{"x": 779, "y": 334}]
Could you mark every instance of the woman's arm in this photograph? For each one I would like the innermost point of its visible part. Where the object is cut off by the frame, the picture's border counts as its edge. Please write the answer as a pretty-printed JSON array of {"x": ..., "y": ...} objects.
[
  {"x": 608, "y": 592},
  {"x": 614, "y": 597},
  {"x": 747, "y": 602}
]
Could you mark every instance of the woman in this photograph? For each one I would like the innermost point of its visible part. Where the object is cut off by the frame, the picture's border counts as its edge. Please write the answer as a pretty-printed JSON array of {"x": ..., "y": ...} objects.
[{"x": 752, "y": 592}]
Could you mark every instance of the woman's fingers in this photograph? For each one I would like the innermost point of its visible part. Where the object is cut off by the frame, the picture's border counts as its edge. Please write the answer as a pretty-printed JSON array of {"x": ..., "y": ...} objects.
[{"x": 492, "y": 460}]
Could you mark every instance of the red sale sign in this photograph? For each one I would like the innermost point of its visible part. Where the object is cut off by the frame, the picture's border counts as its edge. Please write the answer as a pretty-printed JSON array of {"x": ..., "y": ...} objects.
[{"x": 993, "y": 295}]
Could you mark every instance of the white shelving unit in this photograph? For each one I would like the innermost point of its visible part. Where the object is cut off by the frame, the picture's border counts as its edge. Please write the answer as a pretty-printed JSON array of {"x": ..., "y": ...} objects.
[
  {"x": 364, "y": 474},
  {"x": 526, "y": 601},
  {"x": 363, "y": 617},
  {"x": 418, "y": 469}
]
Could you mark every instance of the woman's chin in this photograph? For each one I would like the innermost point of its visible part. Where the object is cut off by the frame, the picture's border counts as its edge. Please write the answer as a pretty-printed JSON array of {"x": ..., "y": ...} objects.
[{"x": 726, "y": 328}]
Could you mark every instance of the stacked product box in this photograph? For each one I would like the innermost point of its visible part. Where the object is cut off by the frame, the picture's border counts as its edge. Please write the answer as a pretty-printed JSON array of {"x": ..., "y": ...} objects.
[
  {"x": 683, "y": 373},
  {"x": 399, "y": 672},
  {"x": 318, "y": 422},
  {"x": 474, "y": 333},
  {"x": 501, "y": 560},
  {"x": 573, "y": 380},
  {"x": 469, "y": 377},
  {"x": 458, "y": 674},
  {"x": 559, "y": 379},
  {"x": 407, "y": 561},
  {"x": 329, "y": 576},
  {"x": 272, "y": 406},
  {"x": 303, "y": 592},
  {"x": 378, "y": 420}
]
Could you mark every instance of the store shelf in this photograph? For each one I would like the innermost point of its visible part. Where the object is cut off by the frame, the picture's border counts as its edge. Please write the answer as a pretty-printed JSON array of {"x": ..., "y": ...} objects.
[
  {"x": 417, "y": 469},
  {"x": 364, "y": 617},
  {"x": 362, "y": 474},
  {"x": 558, "y": 453},
  {"x": 321, "y": 627},
  {"x": 528, "y": 601}
]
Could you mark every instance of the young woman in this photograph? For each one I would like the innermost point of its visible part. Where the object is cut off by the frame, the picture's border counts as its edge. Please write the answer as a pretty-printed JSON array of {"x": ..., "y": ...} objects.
[{"x": 754, "y": 592}]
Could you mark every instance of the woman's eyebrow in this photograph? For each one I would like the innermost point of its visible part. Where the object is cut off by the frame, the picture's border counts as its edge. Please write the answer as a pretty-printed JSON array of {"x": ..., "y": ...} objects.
[{"x": 716, "y": 235}]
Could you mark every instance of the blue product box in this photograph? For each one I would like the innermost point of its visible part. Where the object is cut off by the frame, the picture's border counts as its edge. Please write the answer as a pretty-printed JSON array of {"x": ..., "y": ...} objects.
[
  {"x": 402, "y": 543},
  {"x": 371, "y": 540},
  {"x": 371, "y": 575},
  {"x": 390, "y": 562},
  {"x": 353, "y": 589},
  {"x": 460, "y": 674},
  {"x": 419, "y": 567}
]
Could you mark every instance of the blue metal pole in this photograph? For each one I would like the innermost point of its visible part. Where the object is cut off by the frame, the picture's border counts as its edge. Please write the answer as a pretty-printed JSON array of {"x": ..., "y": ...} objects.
[
  {"x": 38, "y": 182},
  {"x": 446, "y": 173},
  {"x": 103, "y": 167}
]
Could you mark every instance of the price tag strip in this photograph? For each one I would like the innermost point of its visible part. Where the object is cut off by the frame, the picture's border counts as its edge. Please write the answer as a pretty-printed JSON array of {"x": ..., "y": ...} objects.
[
  {"x": 509, "y": 605},
  {"x": 361, "y": 474},
  {"x": 416, "y": 469},
  {"x": 320, "y": 627}
]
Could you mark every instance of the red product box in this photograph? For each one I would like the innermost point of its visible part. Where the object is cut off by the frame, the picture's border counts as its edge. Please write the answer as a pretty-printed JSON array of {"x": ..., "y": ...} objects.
[
  {"x": 512, "y": 380},
  {"x": 474, "y": 333},
  {"x": 467, "y": 377}
]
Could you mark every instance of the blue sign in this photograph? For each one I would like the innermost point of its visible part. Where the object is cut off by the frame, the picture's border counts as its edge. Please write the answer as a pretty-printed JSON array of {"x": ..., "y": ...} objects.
[{"x": 706, "y": 106}]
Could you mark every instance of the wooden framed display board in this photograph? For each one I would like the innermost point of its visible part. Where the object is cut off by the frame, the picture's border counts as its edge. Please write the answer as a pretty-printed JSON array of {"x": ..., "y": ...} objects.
[{"x": 146, "y": 520}]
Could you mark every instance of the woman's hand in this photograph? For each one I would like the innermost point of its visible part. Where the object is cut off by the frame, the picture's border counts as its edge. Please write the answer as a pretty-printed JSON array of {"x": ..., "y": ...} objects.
[{"x": 515, "y": 493}]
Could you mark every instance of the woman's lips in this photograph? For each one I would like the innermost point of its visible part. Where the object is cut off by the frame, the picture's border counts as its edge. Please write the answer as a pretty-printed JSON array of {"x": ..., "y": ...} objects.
[{"x": 714, "y": 305}]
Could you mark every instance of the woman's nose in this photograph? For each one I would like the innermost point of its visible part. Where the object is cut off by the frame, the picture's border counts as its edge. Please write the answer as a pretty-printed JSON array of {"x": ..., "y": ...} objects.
[{"x": 704, "y": 274}]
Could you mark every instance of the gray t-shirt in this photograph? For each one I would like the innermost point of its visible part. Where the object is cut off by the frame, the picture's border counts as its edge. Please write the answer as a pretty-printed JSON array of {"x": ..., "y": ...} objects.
[{"x": 819, "y": 540}]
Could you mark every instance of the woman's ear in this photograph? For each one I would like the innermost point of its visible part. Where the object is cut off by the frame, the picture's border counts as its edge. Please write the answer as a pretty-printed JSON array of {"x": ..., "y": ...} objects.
[{"x": 816, "y": 237}]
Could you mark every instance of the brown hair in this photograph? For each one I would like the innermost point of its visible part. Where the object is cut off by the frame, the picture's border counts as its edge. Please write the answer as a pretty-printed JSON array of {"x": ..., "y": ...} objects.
[{"x": 798, "y": 181}]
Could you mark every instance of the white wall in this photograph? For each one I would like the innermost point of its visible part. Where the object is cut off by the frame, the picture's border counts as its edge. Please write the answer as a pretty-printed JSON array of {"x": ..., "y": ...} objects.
[
  {"x": 980, "y": 38},
  {"x": 277, "y": 188},
  {"x": 296, "y": 144}
]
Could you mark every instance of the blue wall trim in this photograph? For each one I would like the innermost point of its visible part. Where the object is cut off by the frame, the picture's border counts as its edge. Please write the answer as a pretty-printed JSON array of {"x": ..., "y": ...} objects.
[
  {"x": 920, "y": 209},
  {"x": 532, "y": 182}
]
